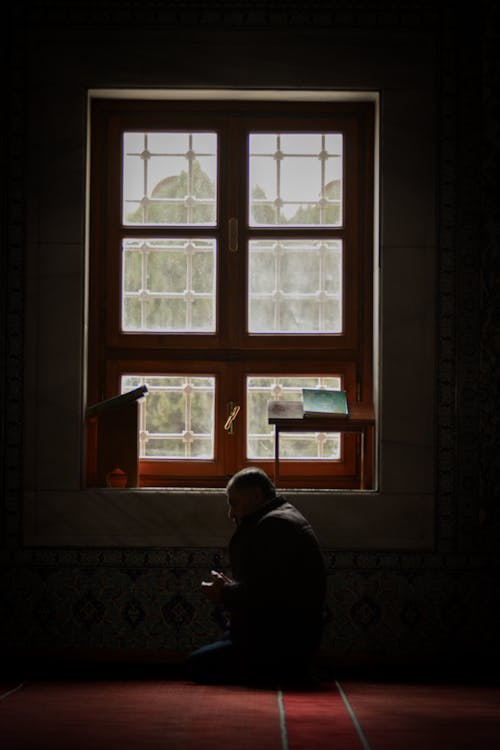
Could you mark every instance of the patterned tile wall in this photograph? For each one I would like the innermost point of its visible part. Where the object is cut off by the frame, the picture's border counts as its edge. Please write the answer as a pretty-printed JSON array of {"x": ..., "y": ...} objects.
[{"x": 379, "y": 607}]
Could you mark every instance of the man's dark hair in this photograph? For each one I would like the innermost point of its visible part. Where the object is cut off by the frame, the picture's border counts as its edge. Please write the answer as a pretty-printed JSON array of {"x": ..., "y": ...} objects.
[{"x": 253, "y": 477}]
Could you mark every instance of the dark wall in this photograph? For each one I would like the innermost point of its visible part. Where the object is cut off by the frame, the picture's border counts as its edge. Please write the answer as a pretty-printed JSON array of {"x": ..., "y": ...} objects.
[{"x": 384, "y": 607}]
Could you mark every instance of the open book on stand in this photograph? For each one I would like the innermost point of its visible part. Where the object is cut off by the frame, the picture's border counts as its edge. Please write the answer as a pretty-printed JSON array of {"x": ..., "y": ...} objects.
[
  {"x": 115, "y": 401},
  {"x": 320, "y": 401}
]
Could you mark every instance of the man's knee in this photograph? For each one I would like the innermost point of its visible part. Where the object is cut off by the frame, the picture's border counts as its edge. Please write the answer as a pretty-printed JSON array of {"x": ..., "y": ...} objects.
[{"x": 217, "y": 662}]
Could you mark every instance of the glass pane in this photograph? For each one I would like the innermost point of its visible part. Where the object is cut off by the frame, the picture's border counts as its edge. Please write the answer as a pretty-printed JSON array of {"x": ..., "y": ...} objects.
[
  {"x": 177, "y": 418},
  {"x": 295, "y": 286},
  {"x": 295, "y": 179},
  {"x": 260, "y": 434},
  {"x": 170, "y": 178},
  {"x": 168, "y": 285}
]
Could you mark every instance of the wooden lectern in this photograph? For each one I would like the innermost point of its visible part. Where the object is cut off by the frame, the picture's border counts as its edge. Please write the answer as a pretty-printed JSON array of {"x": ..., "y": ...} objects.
[
  {"x": 288, "y": 416},
  {"x": 112, "y": 440}
]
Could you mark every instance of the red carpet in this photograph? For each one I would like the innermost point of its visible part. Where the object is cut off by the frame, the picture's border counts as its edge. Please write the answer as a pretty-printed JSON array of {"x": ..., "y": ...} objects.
[
  {"x": 143, "y": 714},
  {"x": 427, "y": 716},
  {"x": 138, "y": 715},
  {"x": 7, "y": 687},
  {"x": 318, "y": 720}
]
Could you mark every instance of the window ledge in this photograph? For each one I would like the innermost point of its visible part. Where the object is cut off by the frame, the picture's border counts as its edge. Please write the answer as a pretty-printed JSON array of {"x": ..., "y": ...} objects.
[{"x": 361, "y": 520}]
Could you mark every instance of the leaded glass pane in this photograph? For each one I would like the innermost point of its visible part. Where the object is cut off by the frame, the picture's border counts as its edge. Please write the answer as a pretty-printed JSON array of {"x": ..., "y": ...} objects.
[
  {"x": 170, "y": 178},
  {"x": 176, "y": 420},
  {"x": 295, "y": 286},
  {"x": 168, "y": 285},
  {"x": 295, "y": 179},
  {"x": 260, "y": 434}
]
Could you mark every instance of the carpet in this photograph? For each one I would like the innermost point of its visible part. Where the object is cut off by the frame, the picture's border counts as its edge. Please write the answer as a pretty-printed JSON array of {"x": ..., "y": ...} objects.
[
  {"x": 320, "y": 719},
  {"x": 138, "y": 715},
  {"x": 8, "y": 687},
  {"x": 146, "y": 714},
  {"x": 434, "y": 716}
]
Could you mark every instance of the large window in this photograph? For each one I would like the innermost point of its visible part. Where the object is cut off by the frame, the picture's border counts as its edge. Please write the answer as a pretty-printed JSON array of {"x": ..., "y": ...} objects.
[{"x": 231, "y": 264}]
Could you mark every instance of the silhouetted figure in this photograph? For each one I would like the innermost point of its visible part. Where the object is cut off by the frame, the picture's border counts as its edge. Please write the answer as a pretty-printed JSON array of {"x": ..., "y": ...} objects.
[{"x": 274, "y": 600}]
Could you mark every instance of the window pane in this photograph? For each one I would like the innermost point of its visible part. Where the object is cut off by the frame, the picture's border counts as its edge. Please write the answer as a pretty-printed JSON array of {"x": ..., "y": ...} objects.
[
  {"x": 176, "y": 420},
  {"x": 295, "y": 179},
  {"x": 295, "y": 286},
  {"x": 169, "y": 178},
  {"x": 168, "y": 285},
  {"x": 260, "y": 434}
]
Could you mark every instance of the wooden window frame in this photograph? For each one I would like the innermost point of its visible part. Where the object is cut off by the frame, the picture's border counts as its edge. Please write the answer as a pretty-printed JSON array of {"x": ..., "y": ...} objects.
[{"x": 232, "y": 352}]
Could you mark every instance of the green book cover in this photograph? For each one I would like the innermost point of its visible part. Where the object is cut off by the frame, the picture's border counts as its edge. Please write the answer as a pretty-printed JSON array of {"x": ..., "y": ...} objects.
[{"x": 318, "y": 401}]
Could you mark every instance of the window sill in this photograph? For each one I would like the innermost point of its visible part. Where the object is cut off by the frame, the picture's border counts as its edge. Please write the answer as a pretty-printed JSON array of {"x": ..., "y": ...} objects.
[{"x": 343, "y": 520}]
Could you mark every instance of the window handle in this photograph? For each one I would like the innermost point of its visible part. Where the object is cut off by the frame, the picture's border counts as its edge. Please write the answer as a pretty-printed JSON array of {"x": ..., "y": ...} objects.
[
  {"x": 232, "y": 411},
  {"x": 233, "y": 235}
]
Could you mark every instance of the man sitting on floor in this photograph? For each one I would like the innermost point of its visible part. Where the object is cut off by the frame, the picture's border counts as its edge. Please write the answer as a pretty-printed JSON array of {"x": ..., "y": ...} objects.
[{"x": 275, "y": 599}]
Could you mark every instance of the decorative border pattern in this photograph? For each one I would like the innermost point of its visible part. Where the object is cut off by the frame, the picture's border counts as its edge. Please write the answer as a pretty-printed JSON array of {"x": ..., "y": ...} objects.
[
  {"x": 489, "y": 379},
  {"x": 233, "y": 14},
  {"x": 447, "y": 354},
  {"x": 12, "y": 272}
]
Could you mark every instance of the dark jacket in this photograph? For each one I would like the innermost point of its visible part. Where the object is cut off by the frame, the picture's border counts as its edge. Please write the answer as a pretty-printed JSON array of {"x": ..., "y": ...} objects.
[{"x": 276, "y": 603}]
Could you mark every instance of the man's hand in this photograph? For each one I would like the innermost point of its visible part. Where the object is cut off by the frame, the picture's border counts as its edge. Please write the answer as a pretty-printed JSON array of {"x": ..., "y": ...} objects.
[{"x": 213, "y": 588}]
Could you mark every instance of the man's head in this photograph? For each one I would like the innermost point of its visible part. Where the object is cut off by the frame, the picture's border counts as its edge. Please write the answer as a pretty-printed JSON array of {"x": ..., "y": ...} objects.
[{"x": 248, "y": 490}]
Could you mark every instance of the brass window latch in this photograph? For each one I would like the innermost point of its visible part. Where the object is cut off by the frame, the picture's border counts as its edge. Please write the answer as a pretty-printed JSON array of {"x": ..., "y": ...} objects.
[{"x": 232, "y": 411}]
